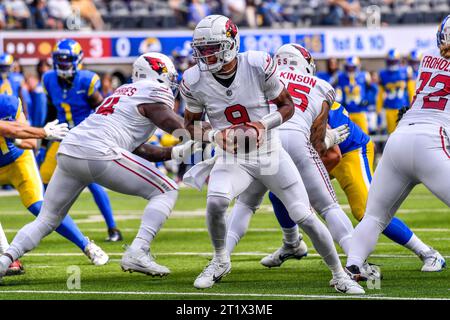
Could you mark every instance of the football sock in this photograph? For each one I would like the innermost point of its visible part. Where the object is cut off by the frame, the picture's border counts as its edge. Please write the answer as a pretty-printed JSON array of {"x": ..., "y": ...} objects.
[
  {"x": 416, "y": 245},
  {"x": 364, "y": 240},
  {"x": 237, "y": 224},
  {"x": 291, "y": 235},
  {"x": 340, "y": 226},
  {"x": 398, "y": 231},
  {"x": 216, "y": 208},
  {"x": 281, "y": 212},
  {"x": 155, "y": 214},
  {"x": 68, "y": 229},
  {"x": 102, "y": 200},
  {"x": 3, "y": 240},
  {"x": 322, "y": 242}
]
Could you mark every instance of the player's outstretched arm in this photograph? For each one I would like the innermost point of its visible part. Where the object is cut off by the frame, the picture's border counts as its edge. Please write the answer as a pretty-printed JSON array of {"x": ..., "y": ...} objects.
[
  {"x": 25, "y": 143},
  {"x": 180, "y": 152},
  {"x": 17, "y": 130}
]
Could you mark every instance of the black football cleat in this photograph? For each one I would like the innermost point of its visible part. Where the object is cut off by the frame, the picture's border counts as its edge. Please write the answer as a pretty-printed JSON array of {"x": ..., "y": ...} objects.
[{"x": 114, "y": 235}]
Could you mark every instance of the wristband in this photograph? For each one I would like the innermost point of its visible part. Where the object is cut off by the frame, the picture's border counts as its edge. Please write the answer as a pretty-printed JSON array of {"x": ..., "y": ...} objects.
[
  {"x": 272, "y": 120},
  {"x": 17, "y": 142}
]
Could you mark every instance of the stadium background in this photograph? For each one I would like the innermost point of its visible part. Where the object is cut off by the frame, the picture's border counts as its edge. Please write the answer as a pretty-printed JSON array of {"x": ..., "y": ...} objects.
[{"x": 114, "y": 33}]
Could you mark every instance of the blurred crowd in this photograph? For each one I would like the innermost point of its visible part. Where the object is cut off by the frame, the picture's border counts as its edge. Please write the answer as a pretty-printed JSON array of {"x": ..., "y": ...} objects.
[{"x": 147, "y": 14}]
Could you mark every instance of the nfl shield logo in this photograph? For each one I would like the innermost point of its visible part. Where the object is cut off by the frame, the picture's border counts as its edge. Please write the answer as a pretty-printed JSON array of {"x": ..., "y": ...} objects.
[{"x": 229, "y": 93}]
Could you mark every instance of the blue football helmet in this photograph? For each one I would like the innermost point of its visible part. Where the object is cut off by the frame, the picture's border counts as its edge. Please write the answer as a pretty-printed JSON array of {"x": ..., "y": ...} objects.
[
  {"x": 352, "y": 64},
  {"x": 67, "y": 55},
  {"x": 414, "y": 58},
  {"x": 443, "y": 33},
  {"x": 6, "y": 61},
  {"x": 393, "y": 59}
]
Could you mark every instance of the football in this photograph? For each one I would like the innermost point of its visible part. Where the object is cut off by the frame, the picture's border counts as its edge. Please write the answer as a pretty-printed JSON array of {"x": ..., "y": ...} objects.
[{"x": 244, "y": 138}]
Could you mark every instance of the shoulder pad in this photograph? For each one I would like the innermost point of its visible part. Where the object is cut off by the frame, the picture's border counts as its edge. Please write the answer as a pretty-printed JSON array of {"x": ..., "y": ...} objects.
[
  {"x": 191, "y": 76},
  {"x": 257, "y": 58}
]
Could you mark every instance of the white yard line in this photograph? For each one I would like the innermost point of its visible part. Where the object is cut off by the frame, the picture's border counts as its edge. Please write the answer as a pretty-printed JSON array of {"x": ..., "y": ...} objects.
[
  {"x": 214, "y": 294},
  {"x": 310, "y": 255}
]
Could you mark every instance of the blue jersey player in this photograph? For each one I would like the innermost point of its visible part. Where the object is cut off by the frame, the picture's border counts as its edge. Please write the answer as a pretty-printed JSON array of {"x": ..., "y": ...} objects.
[{"x": 72, "y": 95}]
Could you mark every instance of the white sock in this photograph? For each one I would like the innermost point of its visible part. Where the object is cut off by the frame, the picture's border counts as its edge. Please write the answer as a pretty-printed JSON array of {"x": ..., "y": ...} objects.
[
  {"x": 291, "y": 235},
  {"x": 364, "y": 240},
  {"x": 3, "y": 241},
  {"x": 155, "y": 214},
  {"x": 323, "y": 243},
  {"x": 416, "y": 245},
  {"x": 237, "y": 224},
  {"x": 340, "y": 226}
]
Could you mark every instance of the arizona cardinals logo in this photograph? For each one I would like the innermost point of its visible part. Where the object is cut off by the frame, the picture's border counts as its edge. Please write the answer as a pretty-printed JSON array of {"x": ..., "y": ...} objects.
[
  {"x": 156, "y": 64},
  {"x": 231, "y": 29},
  {"x": 305, "y": 53}
]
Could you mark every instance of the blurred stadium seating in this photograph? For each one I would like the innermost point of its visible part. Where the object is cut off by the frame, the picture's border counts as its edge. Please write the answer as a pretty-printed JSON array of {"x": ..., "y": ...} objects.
[{"x": 154, "y": 14}]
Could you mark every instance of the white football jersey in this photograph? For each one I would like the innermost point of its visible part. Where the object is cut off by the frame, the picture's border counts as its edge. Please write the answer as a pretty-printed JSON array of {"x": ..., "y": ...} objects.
[
  {"x": 308, "y": 93},
  {"x": 117, "y": 122},
  {"x": 431, "y": 104},
  {"x": 245, "y": 100}
]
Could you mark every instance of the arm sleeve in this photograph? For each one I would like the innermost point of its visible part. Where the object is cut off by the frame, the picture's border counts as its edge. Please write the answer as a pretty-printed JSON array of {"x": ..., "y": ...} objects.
[
  {"x": 329, "y": 93},
  {"x": 192, "y": 104},
  {"x": 94, "y": 84}
]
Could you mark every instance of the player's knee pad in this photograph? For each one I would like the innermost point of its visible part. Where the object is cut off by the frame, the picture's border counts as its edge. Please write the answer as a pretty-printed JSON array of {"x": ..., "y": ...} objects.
[
  {"x": 164, "y": 202},
  {"x": 216, "y": 205},
  {"x": 329, "y": 210},
  {"x": 298, "y": 211},
  {"x": 379, "y": 223}
]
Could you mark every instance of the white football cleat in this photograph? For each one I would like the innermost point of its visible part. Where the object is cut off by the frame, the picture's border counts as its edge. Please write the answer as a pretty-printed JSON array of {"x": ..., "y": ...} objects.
[
  {"x": 137, "y": 260},
  {"x": 285, "y": 252},
  {"x": 97, "y": 256},
  {"x": 432, "y": 261},
  {"x": 344, "y": 284},
  {"x": 370, "y": 272},
  {"x": 212, "y": 273}
]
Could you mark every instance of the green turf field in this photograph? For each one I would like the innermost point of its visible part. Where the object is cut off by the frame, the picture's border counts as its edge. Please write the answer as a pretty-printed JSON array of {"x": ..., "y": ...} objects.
[{"x": 183, "y": 245}]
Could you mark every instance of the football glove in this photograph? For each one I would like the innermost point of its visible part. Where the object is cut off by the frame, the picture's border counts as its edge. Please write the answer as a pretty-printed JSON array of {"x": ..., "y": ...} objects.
[
  {"x": 336, "y": 135},
  {"x": 56, "y": 131},
  {"x": 183, "y": 152}
]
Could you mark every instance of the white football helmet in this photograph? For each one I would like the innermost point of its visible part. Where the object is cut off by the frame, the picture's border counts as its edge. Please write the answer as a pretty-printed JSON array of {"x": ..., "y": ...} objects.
[
  {"x": 155, "y": 66},
  {"x": 218, "y": 36},
  {"x": 443, "y": 33},
  {"x": 295, "y": 57}
]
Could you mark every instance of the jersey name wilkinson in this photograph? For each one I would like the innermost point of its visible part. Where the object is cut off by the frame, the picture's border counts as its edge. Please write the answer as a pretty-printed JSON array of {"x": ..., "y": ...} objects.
[{"x": 298, "y": 78}]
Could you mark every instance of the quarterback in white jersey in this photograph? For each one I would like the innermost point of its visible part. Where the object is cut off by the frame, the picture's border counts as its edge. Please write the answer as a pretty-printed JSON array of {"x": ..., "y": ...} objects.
[
  {"x": 417, "y": 152},
  {"x": 301, "y": 136},
  {"x": 233, "y": 89},
  {"x": 103, "y": 148}
]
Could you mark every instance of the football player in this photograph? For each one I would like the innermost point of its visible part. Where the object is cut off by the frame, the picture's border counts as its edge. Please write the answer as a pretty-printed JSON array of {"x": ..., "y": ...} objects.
[
  {"x": 72, "y": 95},
  {"x": 235, "y": 88},
  {"x": 393, "y": 89},
  {"x": 300, "y": 137},
  {"x": 18, "y": 168},
  {"x": 12, "y": 83},
  {"x": 351, "y": 91},
  {"x": 100, "y": 150},
  {"x": 417, "y": 152}
]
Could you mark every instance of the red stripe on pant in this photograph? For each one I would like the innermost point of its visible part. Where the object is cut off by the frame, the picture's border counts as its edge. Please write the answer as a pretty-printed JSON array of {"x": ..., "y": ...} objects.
[
  {"x": 155, "y": 173},
  {"x": 139, "y": 175},
  {"x": 443, "y": 143}
]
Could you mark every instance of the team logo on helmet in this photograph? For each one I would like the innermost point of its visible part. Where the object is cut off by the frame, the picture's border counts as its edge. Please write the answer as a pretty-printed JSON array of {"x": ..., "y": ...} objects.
[
  {"x": 231, "y": 29},
  {"x": 305, "y": 53},
  {"x": 157, "y": 65}
]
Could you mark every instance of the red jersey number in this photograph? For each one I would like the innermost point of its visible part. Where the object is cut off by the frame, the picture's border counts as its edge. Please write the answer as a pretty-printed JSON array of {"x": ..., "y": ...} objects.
[
  {"x": 438, "y": 99},
  {"x": 300, "y": 92},
  {"x": 107, "y": 106},
  {"x": 237, "y": 114}
]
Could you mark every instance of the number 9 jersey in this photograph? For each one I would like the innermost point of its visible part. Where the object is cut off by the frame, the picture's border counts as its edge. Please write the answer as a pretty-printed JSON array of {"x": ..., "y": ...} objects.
[{"x": 431, "y": 101}]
